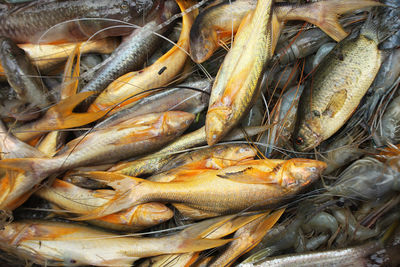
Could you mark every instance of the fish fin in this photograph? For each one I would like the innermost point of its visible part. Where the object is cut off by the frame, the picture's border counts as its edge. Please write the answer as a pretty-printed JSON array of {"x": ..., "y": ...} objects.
[
  {"x": 63, "y": 117},
  {"x": 70, "y": 81},
  {"x": 250, "y": 175},
  {"x": 125, "y": 197},
  {"x": 206, "y": 227},
  {"x": 254, "y": 233},
  {"x": 324, "y": 14},
  {"x": 276, "y": 31},
  {"x": 192, "y": 245},
  {"x": 117, "y": 181},
  {"x": 185, "y": 175},
  {"x": 335, "y": 103},
  {"x": 193, "y": 213},
  {"x": 33, "y": 166}
]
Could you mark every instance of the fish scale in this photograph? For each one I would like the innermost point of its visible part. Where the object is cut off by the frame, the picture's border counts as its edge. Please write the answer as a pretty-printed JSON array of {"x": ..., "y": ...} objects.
[{"x": 336, "y": 88}]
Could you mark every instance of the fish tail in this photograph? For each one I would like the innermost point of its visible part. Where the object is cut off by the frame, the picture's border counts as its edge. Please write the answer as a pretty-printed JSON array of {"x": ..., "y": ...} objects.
[
  {"x": 374, "y": 29},
  {"x": 324, "y": 14},
  {"x": 71, "y": 74},
  {"x": 62, "y": 116},
  {"x": 37, "y": 167},
  {"x": 127, "y": 194}
]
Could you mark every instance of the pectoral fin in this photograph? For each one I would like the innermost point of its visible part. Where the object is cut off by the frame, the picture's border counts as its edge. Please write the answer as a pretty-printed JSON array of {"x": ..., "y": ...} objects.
[{"x": 336, "y": 103}]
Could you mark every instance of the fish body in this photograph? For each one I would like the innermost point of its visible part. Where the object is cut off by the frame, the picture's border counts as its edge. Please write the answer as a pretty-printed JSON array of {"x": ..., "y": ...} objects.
[
  {"x": 74, "y": 20},
  {"x": 47, "y": 56},
  {"x": 252, "y": 185},
  {"x": 58, "y": 243},
  {"x": 236, "y": 83},
  {"x": 130, "y": 87},
  {"x": 218, "y": 24},
  {"x": 336, "y": 88},
  {"x": 22, "y": 75},
  {"x": 136, "y": 136},
  {"x": 179, "y": 98},
  {"x": 154, "y": 162},
  {"x": 132, "y": 52}
]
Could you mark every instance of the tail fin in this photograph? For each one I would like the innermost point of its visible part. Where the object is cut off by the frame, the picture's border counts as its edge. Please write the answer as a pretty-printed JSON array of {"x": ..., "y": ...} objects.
[
  {"x": 71, "y": 77},
  {"x": 59, "y": 117},
  {"x": 324, "y": 14},
  {"x": 37, "y": 167},
  {"x": 192, "y": 245},
  {"x": 127, "y": 194}
]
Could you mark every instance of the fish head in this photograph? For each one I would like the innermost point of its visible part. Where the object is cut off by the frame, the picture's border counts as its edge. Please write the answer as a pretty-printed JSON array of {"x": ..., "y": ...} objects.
[
  {"x": 216, "y": 123},
  {"x": 202, "y": 45},
  {"x": 9, "y": 48},
  {"x": 301, "y": 172},
  {"x": 306, "y": 138}
]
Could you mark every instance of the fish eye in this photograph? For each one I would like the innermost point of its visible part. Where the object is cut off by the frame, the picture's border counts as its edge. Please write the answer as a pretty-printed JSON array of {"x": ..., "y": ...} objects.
[{"x": 299, "y": 141}]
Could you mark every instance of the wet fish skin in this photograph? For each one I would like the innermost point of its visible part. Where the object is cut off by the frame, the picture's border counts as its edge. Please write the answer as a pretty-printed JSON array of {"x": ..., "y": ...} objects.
[
  {"x": 132, "y": 86},
  {"x": 135, "y": 137},
  {"x": 336, "y": 88},
  {"x": 237, "y": 80},
  {"x": 217, "y": 24},
  {"x": 58, "y": 243},
  {"x": 25, "y": 23},
  {"x": 181, "y": 99},
  {"x": 215, "y": 157},
  {"x": 22, "y": 75},
  {"x": 132, "y": 52},
  {"x": 75, "y": 200},
  {"x": 154, "y": 162},
  {"x": 252, "y": 185}
]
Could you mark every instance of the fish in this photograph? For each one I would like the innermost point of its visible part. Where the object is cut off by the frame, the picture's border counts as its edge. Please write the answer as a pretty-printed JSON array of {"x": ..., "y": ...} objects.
[
  {"x": 216, "y": 157},
  {"x": 181, "y": 98},
  {"x": 124, "y": 90},
  {"x": 132, "y": 137},
  {"x": 22, "y": 75},
  {"x": 73, "y": 199},
  {"x": 154, "y": 162},
  {"x": 57, "y": 117},
  {"x": 246, "y": 238},
  {"x": 336, "y": 87},
  {"x": 58, "y": 243},
  {"x": 47, "y": 56},
  {"x": 237, "y": 83},
  {"x": 219, "y": 23},
  {"x": 73, "y": 21},
  {"x": 252, "y": 185},
  {"x": 227, "y": 225},
  {"x": 237, "y": 80},
  {"x": 132, "y": 52}
]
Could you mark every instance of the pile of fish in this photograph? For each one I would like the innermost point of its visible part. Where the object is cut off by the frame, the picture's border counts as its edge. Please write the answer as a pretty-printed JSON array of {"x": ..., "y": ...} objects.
[{"x": 200, "y": 133}]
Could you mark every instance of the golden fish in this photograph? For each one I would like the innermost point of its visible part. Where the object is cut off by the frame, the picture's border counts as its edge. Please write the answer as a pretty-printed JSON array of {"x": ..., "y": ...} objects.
[{"x": 252, "y": 185}]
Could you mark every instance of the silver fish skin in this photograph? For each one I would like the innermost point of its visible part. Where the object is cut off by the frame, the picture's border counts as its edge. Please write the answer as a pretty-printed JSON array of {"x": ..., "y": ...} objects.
[
  {"x": 181, "y": 99},
  {"x": 131, "y": 53},
  {"x": 25, "y": 23},
  {"x": 22, "y": 75}
]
